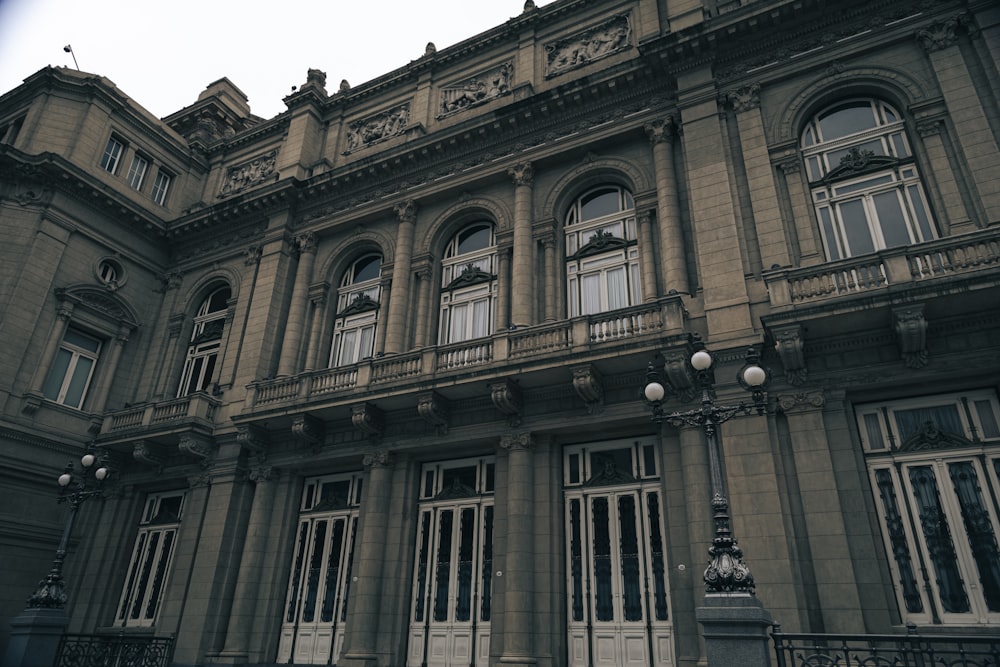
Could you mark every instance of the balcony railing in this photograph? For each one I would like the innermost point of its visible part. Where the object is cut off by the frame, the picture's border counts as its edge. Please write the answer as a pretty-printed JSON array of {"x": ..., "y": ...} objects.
[
  {"x": 951, "y": 256},
  {"x": 187, "y": 408},
  {"x": 583, "y": 334},
  {"x": 114, "y": 651},
  {"x": 909, "y": 650}
]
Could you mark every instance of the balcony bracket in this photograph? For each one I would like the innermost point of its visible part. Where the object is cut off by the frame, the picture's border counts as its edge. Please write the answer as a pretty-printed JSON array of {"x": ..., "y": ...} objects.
[
  {"x": 911, "y": 329},
  {"x": 589, "y": 386},
  {"x": 506, "y": 396},
  {"x": 789, "y": 341},
  {"x": 308, "y": 431},
  {"x": 434, "y": 409},
  {"x": 368, "y": 419}
]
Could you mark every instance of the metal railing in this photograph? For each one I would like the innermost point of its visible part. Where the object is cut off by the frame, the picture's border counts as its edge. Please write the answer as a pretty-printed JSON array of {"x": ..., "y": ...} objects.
[
  {"x": 114, "y": 651},
  {"x": 909, "y": 650}
]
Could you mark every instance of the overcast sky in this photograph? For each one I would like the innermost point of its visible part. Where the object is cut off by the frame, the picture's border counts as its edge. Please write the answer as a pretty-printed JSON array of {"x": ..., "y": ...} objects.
[{"x": 163, "y": 55}]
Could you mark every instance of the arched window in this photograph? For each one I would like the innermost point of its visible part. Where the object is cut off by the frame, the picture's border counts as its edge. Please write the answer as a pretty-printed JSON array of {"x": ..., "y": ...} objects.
[
  {"x": 358, "y": 299},
  {"x": 602, "y": 255},
  {"x": 468, "y": 284},
  {"x": 864, "y": 181},
  {"x": 206, "y": 341}
]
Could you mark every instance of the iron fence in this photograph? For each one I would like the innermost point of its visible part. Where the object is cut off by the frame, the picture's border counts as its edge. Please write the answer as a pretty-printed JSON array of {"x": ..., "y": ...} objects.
[
  {"x": 908, "y": 650},
  {"x": 114, "y": 651}
]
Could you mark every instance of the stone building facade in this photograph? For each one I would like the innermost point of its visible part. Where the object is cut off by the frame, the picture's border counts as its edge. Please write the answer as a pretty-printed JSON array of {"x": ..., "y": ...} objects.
[{"x": 368, "y": 373}]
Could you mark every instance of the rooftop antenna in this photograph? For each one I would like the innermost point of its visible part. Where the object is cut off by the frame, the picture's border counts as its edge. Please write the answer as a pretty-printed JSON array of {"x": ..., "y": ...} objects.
[{"x": 69, "y": 49}]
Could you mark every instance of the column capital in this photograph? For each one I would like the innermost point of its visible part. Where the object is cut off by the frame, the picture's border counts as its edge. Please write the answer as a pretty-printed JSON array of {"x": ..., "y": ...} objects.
[
  {"x": 305, "y": 243},
  {"x": 516, "y": 441},
  {"x": 745, "y": 98},
  {"x": 522, "y": 174},
  {"x": 253, "y": 254},
  {"x": 930, "y": 127},
  {"x": 260, "y": 474},
  {"x": 65, "y": 311},
  {"x": 406, "y": 210},
  {"x": 380, "y": 458},
  {"x": 662, "y": 130},
  {"x": 943, "y": 34},
  {"x": 170, "y": 280}
]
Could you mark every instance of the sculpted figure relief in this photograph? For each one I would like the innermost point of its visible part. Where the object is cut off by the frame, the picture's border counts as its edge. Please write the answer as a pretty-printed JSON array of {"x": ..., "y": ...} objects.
[
  {"x": 378, "y": 127},
  {"x": 480, "y": 88},
  {"x": 249, "y": 173},
  {"x": 585, "y": 47}
]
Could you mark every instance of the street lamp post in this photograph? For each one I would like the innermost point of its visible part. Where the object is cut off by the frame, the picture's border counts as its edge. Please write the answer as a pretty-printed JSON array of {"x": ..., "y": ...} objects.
[
  {"x": 726, "y": 571},
  {"x": 36, "y": 631},
  {"x": 74, "y": 488}
]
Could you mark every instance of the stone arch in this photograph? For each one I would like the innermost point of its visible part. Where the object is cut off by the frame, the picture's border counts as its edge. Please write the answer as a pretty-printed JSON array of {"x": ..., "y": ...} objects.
[
  {"x": 346, "y": 250},
  {"x": 105, "y": 305},
  {"x": 896, "y": 87},
  {"x": 451, "y": 219},
  {"x": 207, "y": 283},
  {"x": 593, "y": 172}
]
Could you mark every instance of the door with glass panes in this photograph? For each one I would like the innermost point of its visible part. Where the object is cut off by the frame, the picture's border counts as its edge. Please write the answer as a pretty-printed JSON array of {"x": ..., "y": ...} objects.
[
  {"x": 616, "y": 549},
  {"x": 315, "y": 609},
  {"x": 451, "y": 598}
]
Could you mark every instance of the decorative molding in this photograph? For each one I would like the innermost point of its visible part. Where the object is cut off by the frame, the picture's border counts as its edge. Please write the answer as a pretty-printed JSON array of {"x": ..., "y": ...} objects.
[
  {"x": 938, "y": 36},
  {"x": 380, "y": 458},
  {"x": 587, "y": 46},
  {"x": 306, "y": 243},
  {"x": 249, "y": 173},
  {"x": 801, "y": 402},
  {"x": 911, "y": 332},
  {"x": 261, "y": 473},
  {"x": 308, "y": 430},
  {"x": 368, "y": 419},
  {"x": 929, "y": 438},
  {"x": 789, "y": 341},
  {"x": 483, "y": 87},
  {"x": 200, "y": 480},
  {"x": 379, "y": 127},
  {"x": 506, "y": 397},
  {"x": 170, "y": 280},
  {"x": 516, "y": 441},
  {"x": 661, "y": 130},
  {"x": 433, "y": 408},
  {"x": 609, "y": 474},
  {"x": 589, "y": 386},
  {"x": 522, "y": 173},
  {"x": 98, "y": 300},
  {"x": 678, "y": 372},
  {"x": 252, "y": 254},
  {"x": 930, "y": 127},
  {"x": 254, "y": 439},
  {"x": 406, "y": 211},
  {"x": 745, "y": 98}
]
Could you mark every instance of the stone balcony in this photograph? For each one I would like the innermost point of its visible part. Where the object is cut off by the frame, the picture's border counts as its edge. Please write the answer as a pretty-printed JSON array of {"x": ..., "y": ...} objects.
[{"x": 972, "y": 257}]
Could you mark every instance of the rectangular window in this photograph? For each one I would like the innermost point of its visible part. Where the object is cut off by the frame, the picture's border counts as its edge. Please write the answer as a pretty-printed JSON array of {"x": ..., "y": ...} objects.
[
  {"x": 112, "y": 155},
  {"x": 146, "y": 577},
  {"x": 137, "y": 172},
  {"x": 72, "y": 369},
  {"x": 161, "y": 185}
]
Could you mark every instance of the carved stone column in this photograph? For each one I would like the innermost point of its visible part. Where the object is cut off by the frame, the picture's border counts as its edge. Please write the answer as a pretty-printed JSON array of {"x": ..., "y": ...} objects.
[
  {"x": 647, "y": 263},
  {"x": 425, "y": 294},
  {"x": 247, "y": 595},
  {"x": 317, "y": 299},
  {"x": 523, "y": 283},
  {"x": 399, "y": 298},
  {"x": 673, "y": 262},
  {"x": 503, "y": 318},
  {"x": 519, "y": 581},
  {"x": 551, "y": 277},
  {"x": 101, "y": 388},
  {"x": 366, "y": 591},
  {"x": 63, "y": 316},
  {"x": 809, "y": 245},
  {"x": 295, "y": 323}
]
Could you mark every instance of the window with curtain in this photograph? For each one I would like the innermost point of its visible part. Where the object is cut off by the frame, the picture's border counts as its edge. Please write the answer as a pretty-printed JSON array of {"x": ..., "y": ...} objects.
[
  {"x": 934, "y": 465},
  {"x": 864, "y": 182},
  {"x": 602, "y": 254},
  {"x": 358, "y": 299},
  {"x": 468, "y": 284},
  {"x": 205, "y": 344}
]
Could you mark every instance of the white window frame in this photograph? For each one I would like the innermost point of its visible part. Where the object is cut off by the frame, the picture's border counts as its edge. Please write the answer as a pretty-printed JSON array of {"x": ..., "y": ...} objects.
[
  {"x": 71, "y": 375},
  {"x": 917, "y": 582},
  {"x": 147, "y": 576},
  {"x": 112, "y": 156},
  {"x": 201, "y": 364},
  {"x": 480, "y": 297},
  {"x": 137, "y": 171},
  {"x": 354, "y": 334},
  {"x": 886, "y": 139},
  {"x": 161, "y": 187}
]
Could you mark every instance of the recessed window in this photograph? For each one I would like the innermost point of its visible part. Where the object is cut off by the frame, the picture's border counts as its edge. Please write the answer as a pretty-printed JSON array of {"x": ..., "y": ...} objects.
[
  {"x": 73, "y": 368},
  {"x": 357, "y": 311},
  {"x": 112, "y": 155},
  {"x": 137, "y": 172},
  {"x": 468, "y": 277},
  {"x": 865, "y": 186},
  {"x": 110, "y": 273},
  {"x": 161, "y": 186},
  {"x": 602, "y": 255},
  {"x": 206, "y": 343}
]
